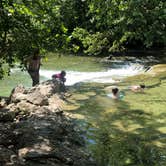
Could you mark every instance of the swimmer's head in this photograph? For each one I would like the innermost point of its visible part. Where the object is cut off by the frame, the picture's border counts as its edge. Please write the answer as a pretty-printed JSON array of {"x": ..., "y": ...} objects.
[
  {"x": 142, "y": 86},
  {"x": 115, "y": 91}
]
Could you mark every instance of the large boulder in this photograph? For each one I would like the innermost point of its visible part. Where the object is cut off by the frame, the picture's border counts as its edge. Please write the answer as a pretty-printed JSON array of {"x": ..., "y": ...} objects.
[{"x": 34, "y": 130}]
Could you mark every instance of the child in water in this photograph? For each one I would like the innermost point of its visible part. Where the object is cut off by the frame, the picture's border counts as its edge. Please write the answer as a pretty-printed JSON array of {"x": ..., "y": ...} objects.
[
  {"x": 116, "y": 94},
  {"x": 137, "y": 88}
]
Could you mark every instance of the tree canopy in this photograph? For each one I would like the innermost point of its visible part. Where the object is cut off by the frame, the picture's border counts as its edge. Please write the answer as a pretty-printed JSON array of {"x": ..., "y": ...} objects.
[{"x": 89, "y": 26}]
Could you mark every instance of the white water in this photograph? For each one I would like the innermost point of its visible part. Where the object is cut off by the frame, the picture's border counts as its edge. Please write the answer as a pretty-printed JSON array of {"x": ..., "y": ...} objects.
[{"x": 109, "y": 76}]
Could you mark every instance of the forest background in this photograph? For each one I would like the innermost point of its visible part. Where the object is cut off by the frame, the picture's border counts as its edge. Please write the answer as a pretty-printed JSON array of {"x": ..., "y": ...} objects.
[{"x": 87, "y": 27}]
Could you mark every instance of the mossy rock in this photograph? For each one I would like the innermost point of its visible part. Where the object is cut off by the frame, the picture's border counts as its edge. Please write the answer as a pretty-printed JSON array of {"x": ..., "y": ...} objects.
[
  {"x": 78, "y": 116},
  {"x": 90, "y": 93},
  {"x": 71, "y": 101},
  {"x": 80, "y": 97},
  {"x": 70, "y": 107},
  {"x": 157, "y": 69}
]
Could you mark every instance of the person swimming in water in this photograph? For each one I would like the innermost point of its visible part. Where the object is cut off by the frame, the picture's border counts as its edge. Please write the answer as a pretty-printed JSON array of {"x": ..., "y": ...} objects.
[
  {"x": 137, "y": 88},
  {"x": 116, "y": 94}
]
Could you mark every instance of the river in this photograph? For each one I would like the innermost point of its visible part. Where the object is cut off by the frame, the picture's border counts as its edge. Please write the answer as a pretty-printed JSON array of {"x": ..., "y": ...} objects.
[{"x": 131, "y": 131}]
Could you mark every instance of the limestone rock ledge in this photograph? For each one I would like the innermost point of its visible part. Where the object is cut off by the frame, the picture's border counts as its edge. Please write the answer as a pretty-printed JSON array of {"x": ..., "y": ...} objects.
[{"x": 34, "y": 131}]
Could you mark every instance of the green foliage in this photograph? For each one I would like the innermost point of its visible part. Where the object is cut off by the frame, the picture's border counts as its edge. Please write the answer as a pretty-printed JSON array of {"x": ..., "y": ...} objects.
[
  {"x": 93, "y": 44},
  {"x": 92, "y": 27},
  {"x": 131, "y": 22},
  {"x": 25, "y": 25}
]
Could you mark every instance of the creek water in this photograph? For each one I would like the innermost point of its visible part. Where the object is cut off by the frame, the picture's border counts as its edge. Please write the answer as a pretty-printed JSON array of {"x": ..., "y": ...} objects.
[
  {"x": 110, "y": 75},
  {"x": 127, "y": 132}
]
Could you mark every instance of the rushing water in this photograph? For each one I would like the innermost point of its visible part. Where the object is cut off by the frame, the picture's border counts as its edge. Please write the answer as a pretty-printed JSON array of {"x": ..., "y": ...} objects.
[
  {"x": 127, "y": 132},
  {"x": 111, "y": 75},
  {"x": 83, "y": 69}
]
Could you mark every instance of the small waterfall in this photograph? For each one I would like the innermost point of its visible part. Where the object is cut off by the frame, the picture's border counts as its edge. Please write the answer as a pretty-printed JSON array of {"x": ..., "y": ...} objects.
[{"x": 111, "y": 75}]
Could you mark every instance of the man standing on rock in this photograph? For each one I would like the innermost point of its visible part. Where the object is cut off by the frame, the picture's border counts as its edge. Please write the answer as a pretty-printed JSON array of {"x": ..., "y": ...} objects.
[{"x": 33, "y": 66}]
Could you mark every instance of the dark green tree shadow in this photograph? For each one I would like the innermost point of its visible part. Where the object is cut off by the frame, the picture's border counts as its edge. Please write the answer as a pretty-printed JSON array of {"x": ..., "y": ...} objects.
[{"x": 127, "y": 145}]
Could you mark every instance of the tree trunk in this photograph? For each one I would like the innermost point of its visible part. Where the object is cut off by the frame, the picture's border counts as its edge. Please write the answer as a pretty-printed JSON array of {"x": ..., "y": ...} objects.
[{"x": 35, "y": 77}]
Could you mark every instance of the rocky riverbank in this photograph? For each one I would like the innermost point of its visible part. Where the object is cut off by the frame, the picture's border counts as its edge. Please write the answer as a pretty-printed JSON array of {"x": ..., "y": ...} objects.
[{"x": 34, "y": 130}]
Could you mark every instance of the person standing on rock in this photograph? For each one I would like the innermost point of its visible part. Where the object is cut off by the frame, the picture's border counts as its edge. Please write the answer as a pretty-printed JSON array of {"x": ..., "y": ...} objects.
[{"x": 33, "y": 66}]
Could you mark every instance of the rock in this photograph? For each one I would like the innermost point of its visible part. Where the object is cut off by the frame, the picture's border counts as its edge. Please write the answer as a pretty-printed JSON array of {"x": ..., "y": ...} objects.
[
  {"x": 6, "y": 115},
  {"x": 157, "y": 69},
  {"x": 109, "y": 57},
  {"x": 35, "y": 126},
  {"x": 18, "y": 97},
  {"x": 3, "y": 102},
  {"x": 7, "y": 137},
  {"x": 17, "y": 90},
  {"x": 48, "y": 88},
  {"x": 54, "y": 102},
  {"x": 25, "y": 106},
  {"x": 37, "y": 98},
  {"x": 41, "y": 151},
  {"x": 6, "y": 156}
]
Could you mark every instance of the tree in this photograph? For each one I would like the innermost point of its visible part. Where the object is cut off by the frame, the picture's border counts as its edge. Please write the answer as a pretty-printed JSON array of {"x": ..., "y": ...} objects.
[
  {"x": 90, "y": 26},
  {"x": 18, "y": 35},
  {"x": 24, "y": 26},
  {"x": 126, "y": 24}
]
